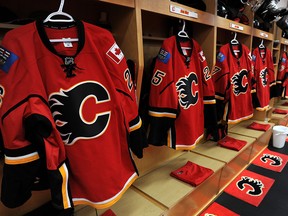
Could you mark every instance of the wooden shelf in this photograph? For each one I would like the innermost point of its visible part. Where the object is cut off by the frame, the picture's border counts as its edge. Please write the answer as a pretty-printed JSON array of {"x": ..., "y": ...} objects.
[
  {"x": 262, "y": 34},
  {"x": 8, "y": 26},
  {"x": 233, "y": 26},
  {"x": 284, "y": 41},
  {"x": 242, "y": 129},
  {"x": 153, "y": 38},
  {"x": 163, "y": 7},
  {"x": 127, "y": 3},
  {"x": 160, "y": 186}
]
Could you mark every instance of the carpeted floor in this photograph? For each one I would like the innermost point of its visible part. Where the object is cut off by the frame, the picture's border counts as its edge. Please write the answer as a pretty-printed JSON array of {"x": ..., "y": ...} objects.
[{"x": 274, "y": 202}]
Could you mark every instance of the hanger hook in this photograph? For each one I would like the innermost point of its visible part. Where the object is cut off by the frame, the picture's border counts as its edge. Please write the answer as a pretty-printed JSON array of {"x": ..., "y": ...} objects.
[
  {"x": 184, "y": 24},
  {"x": 235, "y": 36},
  {"x": 61, "y": 6}
]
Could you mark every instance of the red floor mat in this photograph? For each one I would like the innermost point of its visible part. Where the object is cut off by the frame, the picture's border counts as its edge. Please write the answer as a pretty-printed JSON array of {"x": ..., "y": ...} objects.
[
  {"x": 250, "y": 187},
  {"x": 271, "y": 160},
  {"x": 219, "y": 210}
]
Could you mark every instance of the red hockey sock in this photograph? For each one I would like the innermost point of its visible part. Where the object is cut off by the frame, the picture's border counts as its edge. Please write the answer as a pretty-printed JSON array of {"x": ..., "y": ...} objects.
[
  {"x": 258, "y": 126},
  {"x": 192, "y": 173},
  {"x": 232, "y": 143},
  {"x": 280, "y": 111},
  {"x": 109, "y": 212}
]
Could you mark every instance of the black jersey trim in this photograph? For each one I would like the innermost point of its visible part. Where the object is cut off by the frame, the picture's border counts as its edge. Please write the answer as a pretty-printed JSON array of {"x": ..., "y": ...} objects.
[
  {"x": 19, "y": 152},
  {"x": 165, "y": 87},
  {"x": 22, "y": 102},
  {"x": 124, "y": 93},
  {"x": 178, "y": 42},
  {"x": 240, "y": 49}
]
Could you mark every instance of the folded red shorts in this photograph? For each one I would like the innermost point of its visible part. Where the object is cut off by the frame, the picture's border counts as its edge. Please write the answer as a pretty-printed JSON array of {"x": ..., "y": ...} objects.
[
  {"x": 109, "y": 212},
  {"x": 280, "y": 111},
  {"x": 192, "y": 173},
  {"x": 232, "y": 143},
  {"x": 258, "y": 126}
]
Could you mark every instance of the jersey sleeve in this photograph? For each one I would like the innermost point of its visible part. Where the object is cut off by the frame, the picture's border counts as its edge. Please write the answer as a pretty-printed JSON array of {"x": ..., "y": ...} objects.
[
  {"x": 163, "y": 103},
  {"x": 282, "y": 69},
  {"x": 254, "y": 80},
  {"x": 210, "y": 114},
  {"x": 220, "y": 76},
  {"x": 29, "y": 133},
  {"x": 271, "y": 75},
  {"x": 121, "y": 76}
]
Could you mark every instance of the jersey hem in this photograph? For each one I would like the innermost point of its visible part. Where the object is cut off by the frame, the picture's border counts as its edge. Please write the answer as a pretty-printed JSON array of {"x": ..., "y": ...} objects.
[
  {"x": 189, "y": 147},
  {"x": 109, "y": 202},
  {"x": 239, "y": 120}
]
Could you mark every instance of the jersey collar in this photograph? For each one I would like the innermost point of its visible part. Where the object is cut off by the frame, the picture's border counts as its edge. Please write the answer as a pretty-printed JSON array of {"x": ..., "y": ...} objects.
[
  {"x": 178, "y": 42},
  {"x": 265, "y": 51},
  {"x": 240, "y": 50},
  {"x": 80, "y": 30}
]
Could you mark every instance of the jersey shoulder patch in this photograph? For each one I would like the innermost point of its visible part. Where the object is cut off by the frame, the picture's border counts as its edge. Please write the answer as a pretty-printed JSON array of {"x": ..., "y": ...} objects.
[
  {"x": 164, "y": 56},
  {"x": 221, "y": 57},
  {"x": 7, "y": 58}
]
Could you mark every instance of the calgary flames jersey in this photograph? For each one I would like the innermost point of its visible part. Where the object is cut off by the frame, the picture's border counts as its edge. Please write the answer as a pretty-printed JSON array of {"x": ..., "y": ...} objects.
[
  {"x": 90, "y": 95},
  {"x": 232, "y": 77},
  {"x": 264, "y": 77},
  {"x": 282, "y": 81},
  {"x": 181, "y": 84}
]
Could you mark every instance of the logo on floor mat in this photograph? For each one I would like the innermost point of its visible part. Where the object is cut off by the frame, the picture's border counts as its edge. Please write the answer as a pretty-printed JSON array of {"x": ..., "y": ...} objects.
[
  {"x": 250, "y": 187},
  {"x": 254, "y": 186},
  {"x": 271, "y": 160}
]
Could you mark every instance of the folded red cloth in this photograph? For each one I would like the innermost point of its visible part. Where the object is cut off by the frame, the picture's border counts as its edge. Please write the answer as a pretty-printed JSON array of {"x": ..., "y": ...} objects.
[
  {"x": 232, "y": 143},
  {"x": 280, "y": 111},
  {"x": 258, "y": 126},
  {"x": 192, "y": 173},
  {"x": 109, "y": 212},
  {"x": 285, "y": 104}
]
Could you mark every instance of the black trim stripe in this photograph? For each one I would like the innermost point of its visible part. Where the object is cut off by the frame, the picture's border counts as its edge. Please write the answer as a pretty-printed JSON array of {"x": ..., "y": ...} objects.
[
  {"x": 80, "y": 30},
  {"x": 222, "y": 76},
  {"x": 157, "y": 109},
  {"x": 20, "y": 151},
  {"x": 22, "y": 102},
  {"x": 123, "y": 92},
  {"x": 209, "y": 98},
  {"x": 134, "y": 121},
  {"x": 165, "y": 87}
]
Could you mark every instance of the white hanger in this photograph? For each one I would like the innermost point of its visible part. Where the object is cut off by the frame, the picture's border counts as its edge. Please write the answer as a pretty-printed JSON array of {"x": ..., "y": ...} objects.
[
  {"x": 284, "y": 48},
  {"x": 61, "y": 13},
  {"x": 261, "y": 45},
  {"x": 234, "y": 40},
  {"x": 183, "y": 33}
]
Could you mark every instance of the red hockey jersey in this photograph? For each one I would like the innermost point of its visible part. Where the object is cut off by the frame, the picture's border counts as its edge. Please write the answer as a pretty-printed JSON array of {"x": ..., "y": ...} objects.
[
  {"x": 282, "y": 79},
  {"x": 180, "y": 86},
  {"x": 232, "y": 77},
  {"x": 92, "y": 100},
  {"x": 264, "y": 77}
]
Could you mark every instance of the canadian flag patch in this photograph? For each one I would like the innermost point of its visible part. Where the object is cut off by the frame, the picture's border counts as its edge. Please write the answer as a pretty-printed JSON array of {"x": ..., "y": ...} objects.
[{"x": 115, "y": 53}]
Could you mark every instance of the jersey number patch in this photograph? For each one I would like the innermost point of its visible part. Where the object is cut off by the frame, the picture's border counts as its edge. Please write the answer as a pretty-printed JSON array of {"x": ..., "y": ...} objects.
[
  {"x": 128, "y": 79},
  {"x": 158, "y": 77}
]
